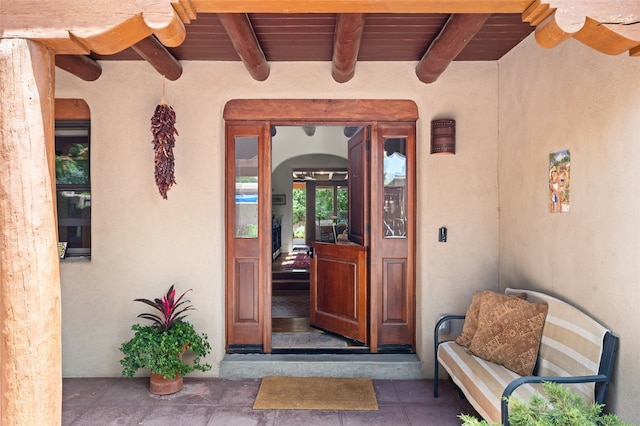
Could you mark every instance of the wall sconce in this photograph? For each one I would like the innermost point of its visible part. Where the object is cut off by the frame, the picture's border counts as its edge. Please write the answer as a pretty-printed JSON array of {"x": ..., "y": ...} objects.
[{"x": 443, "y": 136}]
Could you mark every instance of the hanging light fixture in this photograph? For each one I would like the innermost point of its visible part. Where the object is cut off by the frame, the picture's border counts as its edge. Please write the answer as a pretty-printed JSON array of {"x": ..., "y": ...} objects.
[
  {"x": 443, "y": 136},
  {"x": 309, "y": 130}
]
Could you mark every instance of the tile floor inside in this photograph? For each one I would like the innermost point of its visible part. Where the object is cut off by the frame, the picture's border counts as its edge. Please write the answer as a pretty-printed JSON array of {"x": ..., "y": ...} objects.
[{"x": 215, "y": 401}]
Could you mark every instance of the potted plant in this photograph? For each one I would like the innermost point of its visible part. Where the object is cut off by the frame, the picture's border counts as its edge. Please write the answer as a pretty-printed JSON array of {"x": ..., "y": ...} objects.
[
  {"x": 564, "y": 407},
  {"x": 161, "y": 345}
]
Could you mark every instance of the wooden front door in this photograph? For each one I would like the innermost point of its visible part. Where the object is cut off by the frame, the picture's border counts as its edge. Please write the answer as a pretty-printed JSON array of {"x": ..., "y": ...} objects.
[
  {"x": 338, "y": 283},
  {"x": 389, "y": 239}
]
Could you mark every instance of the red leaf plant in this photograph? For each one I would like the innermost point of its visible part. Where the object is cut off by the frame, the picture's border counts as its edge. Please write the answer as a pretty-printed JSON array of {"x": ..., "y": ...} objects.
[{"x": 170, "y": 308}]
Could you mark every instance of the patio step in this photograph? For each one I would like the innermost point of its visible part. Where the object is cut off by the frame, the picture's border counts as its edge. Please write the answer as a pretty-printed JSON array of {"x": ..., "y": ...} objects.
[{"x": 374, "y": 366}]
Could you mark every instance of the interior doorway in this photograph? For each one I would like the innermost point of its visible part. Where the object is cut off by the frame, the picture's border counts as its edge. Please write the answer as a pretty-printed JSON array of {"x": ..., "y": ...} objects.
[
  {"x": 320, "y": 203},
  {"x": 389, "y": 296},
  {"x": 310, "y": 168}
]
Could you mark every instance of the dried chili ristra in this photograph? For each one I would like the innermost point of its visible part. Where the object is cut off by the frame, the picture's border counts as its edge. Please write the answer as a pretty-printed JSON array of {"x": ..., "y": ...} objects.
[{"x": 163, "y": 129}]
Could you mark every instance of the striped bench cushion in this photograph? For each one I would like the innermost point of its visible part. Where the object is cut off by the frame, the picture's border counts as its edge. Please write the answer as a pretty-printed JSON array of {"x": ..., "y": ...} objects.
[
  {"x": 481, "y": 381},
  {"x": 571, "y": 343}
]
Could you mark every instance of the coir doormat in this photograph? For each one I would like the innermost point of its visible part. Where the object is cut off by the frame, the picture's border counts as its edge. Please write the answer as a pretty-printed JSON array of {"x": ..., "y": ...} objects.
[{"x": 315, "y": 393}]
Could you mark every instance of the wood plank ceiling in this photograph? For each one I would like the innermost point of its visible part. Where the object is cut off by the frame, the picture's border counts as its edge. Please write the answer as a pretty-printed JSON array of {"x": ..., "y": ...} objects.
[{"x": 311, "y": 37}]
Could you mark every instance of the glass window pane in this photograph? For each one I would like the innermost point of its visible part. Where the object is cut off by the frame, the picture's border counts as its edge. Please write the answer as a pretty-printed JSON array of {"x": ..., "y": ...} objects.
[
  {"x": 395, "y": 187},
  {"x": 72, "y": 156},
  {"x": 342, "y": 221},
  {"x": 324, "y": 204},
  {"x": 325, "y": 216},
  {"x": 74, "y": 204},
  {"x": 299, "y": 206},
  {"x": 246, "y": 201},
  {"x": 343, "y": 204},
  {"x": 77, "y": 237}
]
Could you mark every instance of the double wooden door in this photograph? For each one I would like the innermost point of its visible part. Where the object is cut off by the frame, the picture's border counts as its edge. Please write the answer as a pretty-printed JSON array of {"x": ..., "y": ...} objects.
[{"x": 376, "y": 305}]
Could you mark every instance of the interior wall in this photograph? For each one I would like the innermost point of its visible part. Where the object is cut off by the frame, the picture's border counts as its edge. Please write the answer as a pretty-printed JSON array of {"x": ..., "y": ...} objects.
[
  {"x": 292, "y": 141},
  {"x": 142, "y": 244},
  {"x": 572, "y": 97}
]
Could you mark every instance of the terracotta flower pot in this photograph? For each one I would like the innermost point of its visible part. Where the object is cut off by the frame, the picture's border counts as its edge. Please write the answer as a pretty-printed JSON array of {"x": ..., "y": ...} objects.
[{"x": 161, "y": 386}]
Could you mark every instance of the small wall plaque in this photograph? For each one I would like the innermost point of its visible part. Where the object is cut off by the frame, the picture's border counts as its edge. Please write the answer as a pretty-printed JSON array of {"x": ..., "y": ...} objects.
[{"x": 278, "y": 199}]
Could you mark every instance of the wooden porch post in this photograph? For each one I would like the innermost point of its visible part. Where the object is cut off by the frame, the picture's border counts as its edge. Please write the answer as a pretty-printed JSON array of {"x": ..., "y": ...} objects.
[{"x": 30, "y": 351}]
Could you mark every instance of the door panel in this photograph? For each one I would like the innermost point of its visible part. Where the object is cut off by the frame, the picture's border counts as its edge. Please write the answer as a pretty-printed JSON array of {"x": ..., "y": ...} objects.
[
  {"x": 393, "y": 234},
  {"x": 245, "y": 303},
  {"x": 339, "y": 290},
  {"x": 358, "y": 158},
  {"x": 395, "y": 301},
  {"x": 246, "y": 266}
]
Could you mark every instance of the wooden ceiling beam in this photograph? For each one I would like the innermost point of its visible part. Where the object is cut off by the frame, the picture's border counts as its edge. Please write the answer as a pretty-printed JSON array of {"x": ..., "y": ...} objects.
[
  {"x": 245, "y": 42},
  {"x": 611, "y": 27},
  {"x": 346, "y": 45},
  {"x": 79, "y": 65},
  {"x": 154, "y": 52},
  {"x": 454, "y": 36},
  {"x": 106, "y": 27}
]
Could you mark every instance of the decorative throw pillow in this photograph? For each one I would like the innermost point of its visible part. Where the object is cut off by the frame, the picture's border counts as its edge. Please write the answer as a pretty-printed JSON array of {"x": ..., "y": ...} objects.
[
  {"x": 470, "y": 321},
  {"x": 509, "y": 332},
  {"x": 471, "y": 318}
]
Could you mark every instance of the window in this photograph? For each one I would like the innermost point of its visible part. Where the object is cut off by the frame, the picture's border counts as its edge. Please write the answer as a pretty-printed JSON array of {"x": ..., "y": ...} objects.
[
  {"x": 331, "y": 209},
  {"x": 73, "y": 185},
  {"x": 246, "y": 154}
]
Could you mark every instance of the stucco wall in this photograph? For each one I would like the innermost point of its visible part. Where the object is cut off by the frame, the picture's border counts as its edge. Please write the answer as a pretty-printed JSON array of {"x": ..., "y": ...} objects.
[
  {"x": 572, "y": 97},
  {"x": 142, "y": 244}
]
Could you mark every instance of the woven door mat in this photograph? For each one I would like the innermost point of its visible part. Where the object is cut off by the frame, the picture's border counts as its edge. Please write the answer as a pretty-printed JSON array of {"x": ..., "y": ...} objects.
[{"x": 315, "y": 393}]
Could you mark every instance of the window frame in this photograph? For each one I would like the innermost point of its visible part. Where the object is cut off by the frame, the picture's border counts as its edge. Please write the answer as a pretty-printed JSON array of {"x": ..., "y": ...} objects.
[{"x": 75, "y": 222}]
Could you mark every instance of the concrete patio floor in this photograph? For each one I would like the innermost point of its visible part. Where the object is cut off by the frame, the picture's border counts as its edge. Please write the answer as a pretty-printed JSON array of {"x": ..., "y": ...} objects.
[{"x": 215, "y": 401}]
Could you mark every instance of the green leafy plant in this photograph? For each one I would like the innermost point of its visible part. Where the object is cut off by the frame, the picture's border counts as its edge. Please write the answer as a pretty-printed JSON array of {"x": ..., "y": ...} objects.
[
  {"x": 160, "y": 346},
  {"x": 168, "y": 307},
  {"x": 563, "y": 408}
]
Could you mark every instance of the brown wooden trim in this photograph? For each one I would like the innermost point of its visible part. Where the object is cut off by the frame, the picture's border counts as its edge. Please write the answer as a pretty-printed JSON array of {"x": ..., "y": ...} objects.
[
  {"x": 72, "y": 109},
  {"x": 346, "y": 45},
  {"x": 265, "y": 225},
  {"x": 320, "y": 110},
  {"x": 536, "y": 13},
  {"x": 454, "y": 36},
  {"x": 81, "y": 66},
  {"x": 154, "y": 52}
]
